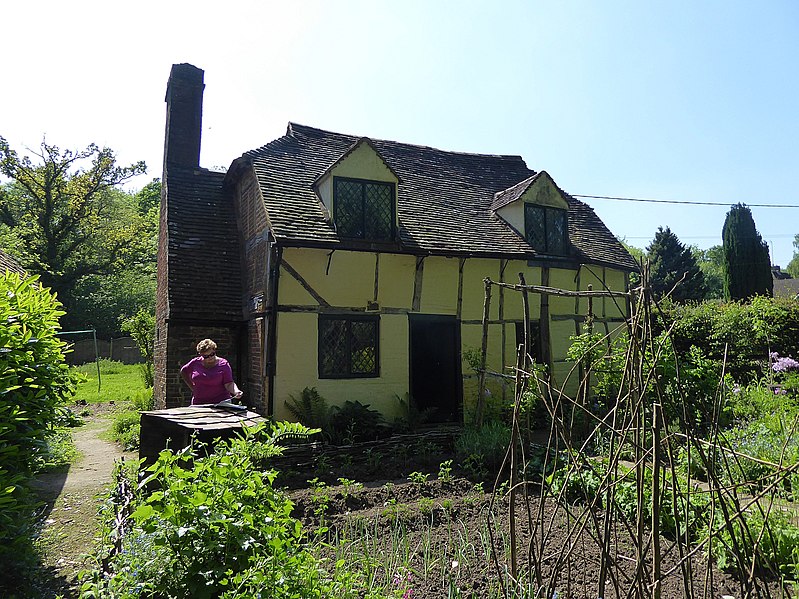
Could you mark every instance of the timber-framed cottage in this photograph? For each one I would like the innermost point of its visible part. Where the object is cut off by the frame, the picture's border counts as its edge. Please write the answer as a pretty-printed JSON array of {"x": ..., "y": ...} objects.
[{"x": 356, "y": 265}]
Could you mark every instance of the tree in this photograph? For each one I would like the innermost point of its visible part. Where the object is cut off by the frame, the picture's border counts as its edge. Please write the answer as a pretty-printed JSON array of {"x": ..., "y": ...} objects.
[
  {"x": 747, "y": 266},
  {"x": 68, "y": 220},
  {"x": 673, "y": 269},
  {"x": 711, "y": 263},
  {"x": 793, "y": 265}
]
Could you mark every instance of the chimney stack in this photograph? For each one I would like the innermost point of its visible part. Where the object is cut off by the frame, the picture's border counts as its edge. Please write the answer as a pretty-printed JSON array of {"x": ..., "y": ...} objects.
[{"x": 184, "y": 115}]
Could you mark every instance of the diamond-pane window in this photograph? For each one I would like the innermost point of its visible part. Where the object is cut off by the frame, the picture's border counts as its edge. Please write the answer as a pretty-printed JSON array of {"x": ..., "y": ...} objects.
[
  {"x": 348, "y": 346},
  {"x": 363, "y": 209},
  {"x": 546, "y": 229}
]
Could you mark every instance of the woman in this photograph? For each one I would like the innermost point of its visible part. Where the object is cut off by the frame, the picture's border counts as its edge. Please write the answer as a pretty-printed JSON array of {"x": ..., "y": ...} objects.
[{"x": 209, "y": 377}]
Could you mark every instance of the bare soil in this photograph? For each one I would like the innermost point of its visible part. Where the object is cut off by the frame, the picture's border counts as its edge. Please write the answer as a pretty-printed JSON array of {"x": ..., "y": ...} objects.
[{"x": 440, "y": 532}]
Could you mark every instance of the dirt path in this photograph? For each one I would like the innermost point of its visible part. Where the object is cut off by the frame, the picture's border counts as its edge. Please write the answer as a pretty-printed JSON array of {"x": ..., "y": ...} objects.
[{"x": 72, "y": 499}]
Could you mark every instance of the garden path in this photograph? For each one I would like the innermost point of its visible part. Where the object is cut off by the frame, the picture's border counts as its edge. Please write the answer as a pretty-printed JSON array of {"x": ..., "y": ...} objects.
[{"x": 72, "y": 498}]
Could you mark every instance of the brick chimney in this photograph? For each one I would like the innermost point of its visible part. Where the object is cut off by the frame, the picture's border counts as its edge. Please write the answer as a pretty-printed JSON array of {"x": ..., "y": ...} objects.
[{"x": 184, "y": 116}]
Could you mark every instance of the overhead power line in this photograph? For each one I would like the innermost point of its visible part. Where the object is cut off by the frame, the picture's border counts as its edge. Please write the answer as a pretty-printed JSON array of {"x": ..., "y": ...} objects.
[{"x": 653, "y": 201}]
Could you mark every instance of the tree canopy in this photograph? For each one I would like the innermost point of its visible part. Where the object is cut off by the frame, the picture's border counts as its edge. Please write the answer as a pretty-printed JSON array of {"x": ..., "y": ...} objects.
[
  {"x": 674, "y": 269},
  {"x": 793, "y": 265},
  {"x": 711, "y": 262},
  {"x": 747, "y": 266},
  {"x": 64, "y": 216}
]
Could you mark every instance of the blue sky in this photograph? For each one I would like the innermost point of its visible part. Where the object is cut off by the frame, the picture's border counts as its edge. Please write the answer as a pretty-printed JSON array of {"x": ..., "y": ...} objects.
[{"x": 689, "y": 101}]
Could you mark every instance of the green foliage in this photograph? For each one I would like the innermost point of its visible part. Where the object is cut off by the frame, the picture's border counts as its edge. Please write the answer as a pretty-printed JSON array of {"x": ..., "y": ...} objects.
[
  {"x": 216, "y": 527},
  {"x": 688, "y": 398},
  {"x": 418, "y": 478},
  {"x": 353, "y": 422},
  {"x": 411, "y": 416},
  {"x": 673, "y": 268},
  {"x": 482, "y": 451},
  {"x": 747, "y": 266},
  {"x": 743, "y": 333},
  {"x": 793, "y": 265},
  {"x": 445, "y": 471},
  {"x": 34, "y": 383},
  {"x": 711, "y": 263},
  {"x": 125, "y": 430},
  {"x": 69, "y": 215},
  {"x": 310, "y": 408},
  {"x": 141, "y": 327}
]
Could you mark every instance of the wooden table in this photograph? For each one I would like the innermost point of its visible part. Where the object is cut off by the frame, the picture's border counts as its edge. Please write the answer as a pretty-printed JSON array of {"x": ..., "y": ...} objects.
[{"x": 174, "y": 427}]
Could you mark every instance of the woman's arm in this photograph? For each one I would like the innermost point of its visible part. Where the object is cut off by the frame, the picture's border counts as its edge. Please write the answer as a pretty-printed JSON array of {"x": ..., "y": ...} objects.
[
  {"x": 185, "y": 374},
  {"x": 233, "y": 390}
]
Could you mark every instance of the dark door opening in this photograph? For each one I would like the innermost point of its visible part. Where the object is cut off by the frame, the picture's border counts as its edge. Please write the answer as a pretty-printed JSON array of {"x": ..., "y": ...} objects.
[{"x": 436, "y": 366}]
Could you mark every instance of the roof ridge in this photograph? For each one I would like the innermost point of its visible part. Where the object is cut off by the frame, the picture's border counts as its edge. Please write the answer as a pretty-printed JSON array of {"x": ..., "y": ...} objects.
[{"x": 298, "y": 127}]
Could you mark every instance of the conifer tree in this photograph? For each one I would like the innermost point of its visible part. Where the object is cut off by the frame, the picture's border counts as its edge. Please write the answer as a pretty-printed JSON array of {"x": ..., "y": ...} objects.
[
  {"x": 747, "y": 265},
  {"x": 673, "y": 268}
]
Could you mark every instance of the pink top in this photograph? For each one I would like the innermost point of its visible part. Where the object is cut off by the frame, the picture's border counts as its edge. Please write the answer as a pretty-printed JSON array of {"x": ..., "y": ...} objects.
[{"x": 208, "y": 382}]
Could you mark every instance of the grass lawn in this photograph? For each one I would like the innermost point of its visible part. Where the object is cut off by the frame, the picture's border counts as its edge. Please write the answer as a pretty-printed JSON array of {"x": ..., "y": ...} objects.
[{"x": 118, "y": 383}]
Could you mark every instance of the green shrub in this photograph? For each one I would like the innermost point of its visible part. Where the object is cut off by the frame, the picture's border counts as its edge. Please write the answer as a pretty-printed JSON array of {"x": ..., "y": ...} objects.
[
  {"x": 483, "y": 450},
  {"x": 126, "y": 430},
  {"x": 217, "y": 527},
  {"x": 143, "y": 401},
  {"x": 34, "y": 382},
  {"x": 353, "y": 422},
  {"x": 744, "y": 332},
  {"x": 310, "y": 409}
]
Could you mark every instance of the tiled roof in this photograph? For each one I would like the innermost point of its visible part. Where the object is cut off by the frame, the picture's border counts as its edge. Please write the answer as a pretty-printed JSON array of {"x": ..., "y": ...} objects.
[
  {"x": 786, "y": 288},
  {"x": 8, "y": 263},
  {"x": 510, "y": 195},
  {"x": 204, "y": 267},
  {"x": 444, "y": 198}
]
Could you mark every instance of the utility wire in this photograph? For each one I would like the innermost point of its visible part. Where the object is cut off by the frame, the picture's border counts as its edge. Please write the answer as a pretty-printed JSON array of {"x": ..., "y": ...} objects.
[{"x": 577, "y": 195}]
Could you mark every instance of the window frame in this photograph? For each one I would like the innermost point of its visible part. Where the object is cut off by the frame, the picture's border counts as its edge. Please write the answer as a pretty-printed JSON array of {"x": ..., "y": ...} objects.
[
  {"x": 363, "y": 183},
  {"x": 548, "y": 211},
  {"x": 348, "y": 319}
]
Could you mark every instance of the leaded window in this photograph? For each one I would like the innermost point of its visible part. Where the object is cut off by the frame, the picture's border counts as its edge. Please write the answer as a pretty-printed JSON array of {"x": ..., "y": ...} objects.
[
  {"x": 363, "y": 209},
  {"x": 546, "y": 229},
  {"x": 348, "y": 346}
]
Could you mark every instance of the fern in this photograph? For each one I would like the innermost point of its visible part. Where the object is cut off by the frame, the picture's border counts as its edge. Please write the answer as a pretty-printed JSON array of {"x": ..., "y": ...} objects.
[{"x": 310, "y": 408}]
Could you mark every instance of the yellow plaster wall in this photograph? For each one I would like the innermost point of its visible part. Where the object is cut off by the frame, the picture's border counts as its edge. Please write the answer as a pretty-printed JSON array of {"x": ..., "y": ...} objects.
[
  {"x": 562, "y": 279},
  {"x": 396, "y": 276},
  {"x": 560, "y": 331},
  {"x": 292, "y": 293},
  {"x": 474, "y": 271},
  {"x": 297, "y": 366},
  {"x": 349, "y": 282},
  {"x": 439, "y": 286},
  {"x": 513, "y": 299}
]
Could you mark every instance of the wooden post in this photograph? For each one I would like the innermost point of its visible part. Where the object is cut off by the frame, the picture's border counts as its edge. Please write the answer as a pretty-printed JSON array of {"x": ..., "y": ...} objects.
[
  {"x": 481, "y": 387},
  {"x": 656, "y": 410}
]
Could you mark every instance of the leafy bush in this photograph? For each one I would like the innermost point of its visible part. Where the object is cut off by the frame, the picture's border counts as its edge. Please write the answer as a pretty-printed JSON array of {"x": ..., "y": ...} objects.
[
  {"x": 141, "y": 326},
  {"x": 353, "y": 422},
  {"x": 126, "y": 430},
  {"x": 744, "y": 331},
  {"x": 310, "y": 409},
  {"x": 483, "y": 450},
  {"x": 689, "y": 398},
  {"x": 34, "y": 382}
]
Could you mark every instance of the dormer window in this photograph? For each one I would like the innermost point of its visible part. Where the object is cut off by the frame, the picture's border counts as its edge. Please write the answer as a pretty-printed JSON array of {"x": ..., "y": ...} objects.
[
  {"x": 546, "y": 229},
  {"x": 364, "y": 209}
]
